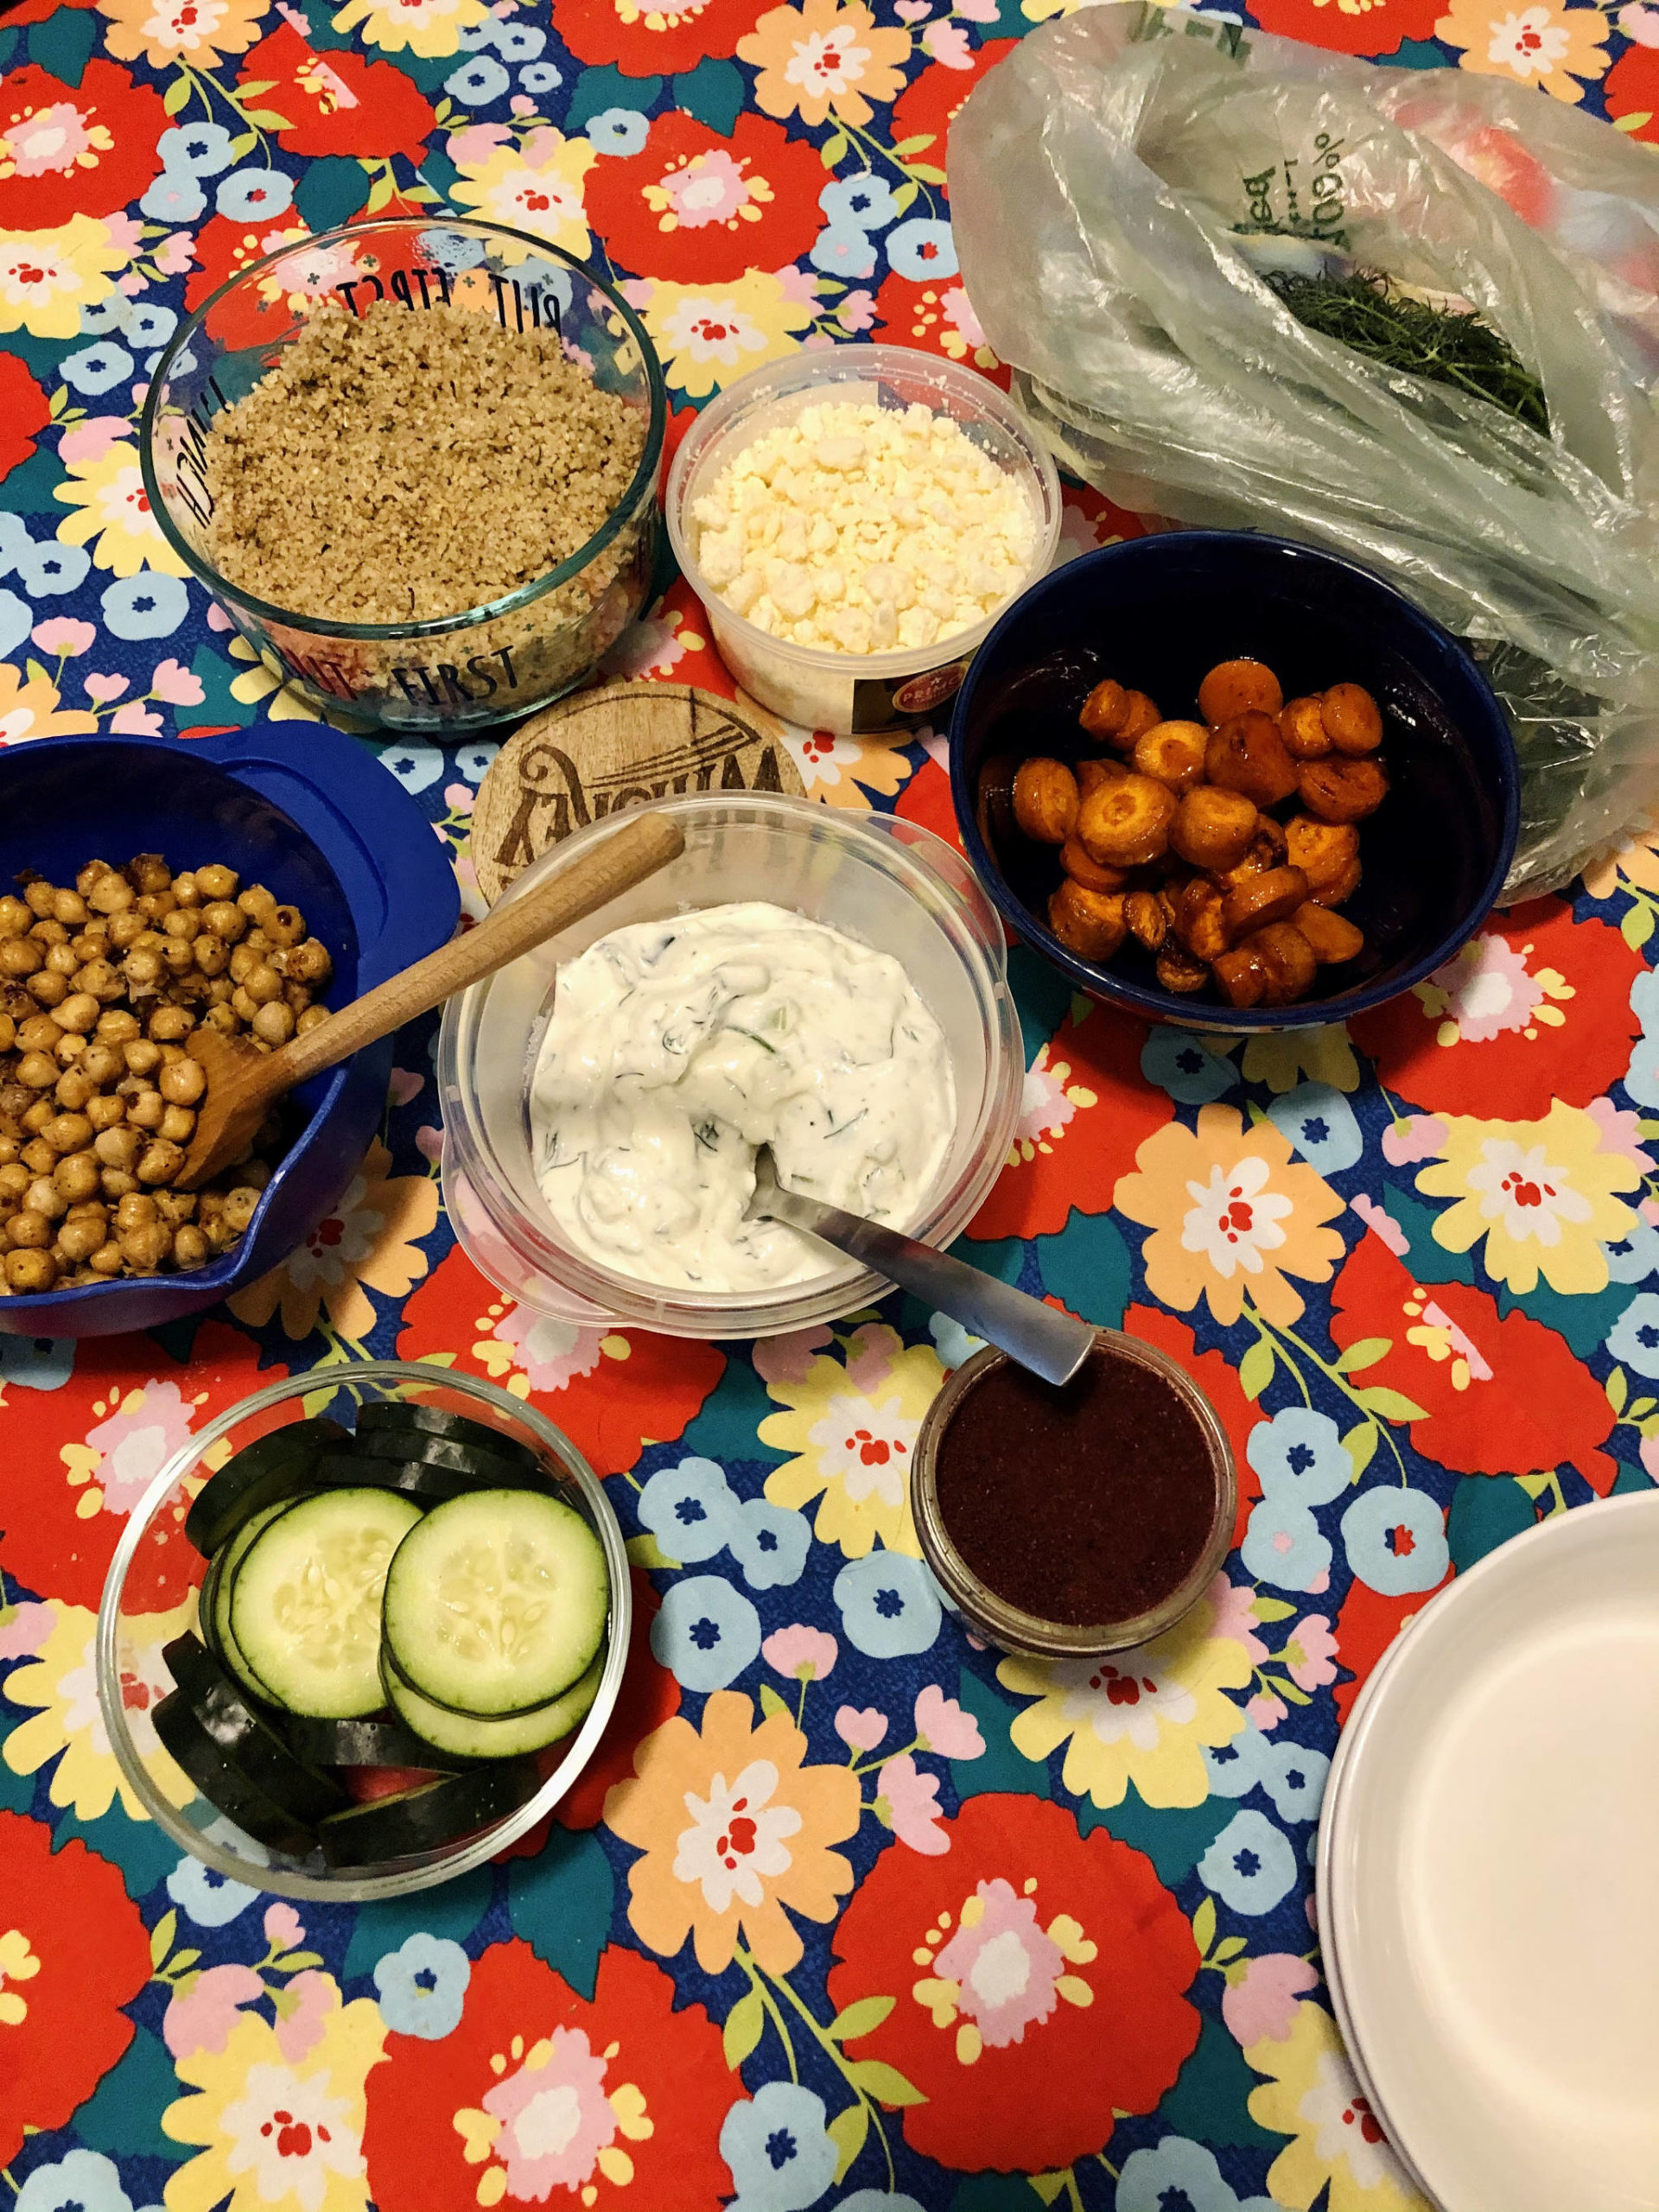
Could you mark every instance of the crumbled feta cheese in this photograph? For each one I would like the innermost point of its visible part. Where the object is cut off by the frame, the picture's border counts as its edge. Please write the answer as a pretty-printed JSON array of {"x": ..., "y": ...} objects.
[{"x": 864, "y": 529}]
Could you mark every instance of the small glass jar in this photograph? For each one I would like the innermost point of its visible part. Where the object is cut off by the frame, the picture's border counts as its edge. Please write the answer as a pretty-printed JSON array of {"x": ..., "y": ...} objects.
[{"x": 1008, "y": 1626}]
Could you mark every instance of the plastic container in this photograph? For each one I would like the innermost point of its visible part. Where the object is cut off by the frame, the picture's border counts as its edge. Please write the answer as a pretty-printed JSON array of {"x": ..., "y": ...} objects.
[
  {"x": 1008, "y": 1626},
  {"x": 879, "y": 880},
  {"x": 281, "y": 806},
  {"x": 1158, "y": 613},
  {"x": 443, "y": 675},
  {"x": 851, "y": 692},
  {"x": 147, "y": 1601}
]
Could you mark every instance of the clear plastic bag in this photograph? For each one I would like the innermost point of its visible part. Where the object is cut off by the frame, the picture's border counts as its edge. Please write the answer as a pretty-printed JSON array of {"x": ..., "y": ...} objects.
[{"x": 1106, "y": 182}]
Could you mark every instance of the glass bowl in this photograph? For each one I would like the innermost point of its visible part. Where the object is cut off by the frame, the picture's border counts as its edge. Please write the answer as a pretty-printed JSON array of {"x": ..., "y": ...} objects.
[
  {"x": 442, "y": 674},
  {"x": 149, "y": 1597},
  {"x": 883, "y": 880},
  {"x": 848, "y": 692}
]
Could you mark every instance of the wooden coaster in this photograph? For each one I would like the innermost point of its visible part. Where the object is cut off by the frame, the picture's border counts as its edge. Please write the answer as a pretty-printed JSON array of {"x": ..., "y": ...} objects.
[{"x": 599, "y": 752}]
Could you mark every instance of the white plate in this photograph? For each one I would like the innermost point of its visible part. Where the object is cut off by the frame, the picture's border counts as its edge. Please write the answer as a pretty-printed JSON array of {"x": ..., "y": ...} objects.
[{"x": 1488, "y": 1855}]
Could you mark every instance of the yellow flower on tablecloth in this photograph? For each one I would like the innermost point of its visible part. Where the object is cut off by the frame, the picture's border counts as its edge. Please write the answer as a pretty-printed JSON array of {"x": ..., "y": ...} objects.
[
  {"x": 17, "y": 1964},
  {"x": 1283, "y": 1058},
  {"x": 843, "y": 771},
  {"x": 1636, "y": 861},
  {"x": 1142, "y": 1716},
  {"x": 1541, "y": 1194},
  {"x": 1312, "y": 2095},
  {"x": 30, "y": 709},
  {"x": 280, "y": 2114},
  {"x": 536, "y": 187},
  {"x": 734, "y": 1829},
  {"x": 1535, "y": 44},
  {"x": 61, "y": 1686},
  {"x": 48, "y": 276},
  {"x": 114, "y": 515},
  {"x": 1230, "y": 1211},
  {"x": 824, "y": 57},
  {"x": 428, "y": 28},
  {"x": 853, "y": 1428},
  {"x": 165, "y": 32},
  {"x": 371, "y": 1238},
  {"x": 710, "y": 334},
  {"x": 259, "y": 681}
]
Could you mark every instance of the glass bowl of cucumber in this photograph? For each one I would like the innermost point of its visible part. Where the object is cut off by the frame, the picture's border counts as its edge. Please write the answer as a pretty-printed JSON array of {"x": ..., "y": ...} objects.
[{"x": 363, "y": 1631}]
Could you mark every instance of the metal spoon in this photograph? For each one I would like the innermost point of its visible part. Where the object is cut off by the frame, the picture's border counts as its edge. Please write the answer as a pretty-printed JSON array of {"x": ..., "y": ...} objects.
[{"x": 1050, "y": 1343}]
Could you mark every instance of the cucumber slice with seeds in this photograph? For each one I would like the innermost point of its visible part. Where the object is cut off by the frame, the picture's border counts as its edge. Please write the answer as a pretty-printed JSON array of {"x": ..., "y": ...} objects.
[
  {"x": 215, "y": 1603},
  {"x": 459, "y": 1735},
  {"x": 272, "y": 1467},
  {"x": 305, "y": 1599},
  {"x": 497, "y": 1603}
]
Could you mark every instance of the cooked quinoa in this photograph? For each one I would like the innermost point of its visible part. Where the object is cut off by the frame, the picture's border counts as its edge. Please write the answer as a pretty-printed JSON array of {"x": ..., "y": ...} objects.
[{"x": 413, "y": 464}]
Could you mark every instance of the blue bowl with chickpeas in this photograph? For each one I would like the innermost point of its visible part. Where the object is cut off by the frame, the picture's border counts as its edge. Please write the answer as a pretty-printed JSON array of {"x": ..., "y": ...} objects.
[{"x": 250, "y": 878}]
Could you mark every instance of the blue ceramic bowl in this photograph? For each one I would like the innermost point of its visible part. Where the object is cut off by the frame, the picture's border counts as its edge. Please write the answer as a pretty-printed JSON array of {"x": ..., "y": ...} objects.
[
  {"x": 313, "y": 815},
  {"x": 1158, "y": 612}
]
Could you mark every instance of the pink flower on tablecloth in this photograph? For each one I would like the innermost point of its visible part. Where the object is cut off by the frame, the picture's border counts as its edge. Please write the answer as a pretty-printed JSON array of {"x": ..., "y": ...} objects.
[
  {"x": 1260, "y": 2005},
  {"x": 284, "y": 1929},
  {"x": 521, "y": 104},
  {"x": 203, "y": 2019},
  {"x": 1233, "y": 1608},
  {"x": 942, "y": 1726},
  {"x": 300, "y": 2029},
  {"x": 948, "y": 44},
  {"x": 406, "y": 1084},
  {"x": 1648, "y": 1455},
  {"x": 478, "y": 142},
  {"x": 217, "y": 618},
  {"x": 1381, "y": 1223},
  {"x": 861, "y": 1731},
  {"x": 551, "y": 1353},
  {"x": 1416, "y": 1136},
  {"x": 1266, "y": 1710},
  {"x": 63, "y": 635},
  {"x": 788, "y": 1358},
  {"x": 459, "y": 798},
  {"x": 429, "y": 1142},
  {"x": 1621, "y": 1131},
  {"x": 857, "y": 310},
  {"x": 179, "y": 686},
  {"x": 913, "y": 1801},
  {"x": 30, "y": 1625},
  {"x": 554, "y": 2119},
  {"x": 91, "y": 440},
  {"x": 871, "y": 1353},
  {"x": 105, "y": 688},
  {"x": 136, "y": 720},
  {"x": 125, "y": 1453},
  {"x": 798, "y": 284},
  {"x": 173, "y": 256},
  {"x": 807, "y": 1654},
  {"x": 1310, "y": 1653}
]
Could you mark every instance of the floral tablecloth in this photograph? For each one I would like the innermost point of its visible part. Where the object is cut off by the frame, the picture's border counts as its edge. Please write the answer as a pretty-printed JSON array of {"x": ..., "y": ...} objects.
[{"x": 849, "y": 1913}]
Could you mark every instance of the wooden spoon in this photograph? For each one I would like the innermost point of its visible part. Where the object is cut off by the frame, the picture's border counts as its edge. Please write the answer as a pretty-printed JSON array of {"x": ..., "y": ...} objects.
[{"x": 243, "y": 1082}]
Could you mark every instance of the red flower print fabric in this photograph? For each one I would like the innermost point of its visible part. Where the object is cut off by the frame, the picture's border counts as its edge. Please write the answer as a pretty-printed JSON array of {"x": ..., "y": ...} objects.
[
  {"x": 336, "y": 103},
  {"x": 67, "y": 149},
  {"x": 694, "y": 207}
]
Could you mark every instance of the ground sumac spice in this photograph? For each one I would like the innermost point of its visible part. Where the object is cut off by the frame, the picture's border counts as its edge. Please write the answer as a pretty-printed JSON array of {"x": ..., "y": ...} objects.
[{"x": 1084, "y": 1505}]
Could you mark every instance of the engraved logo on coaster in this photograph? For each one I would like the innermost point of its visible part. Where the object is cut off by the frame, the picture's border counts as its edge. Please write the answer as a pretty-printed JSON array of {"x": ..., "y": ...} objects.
[{"x": 624, "y": 745}]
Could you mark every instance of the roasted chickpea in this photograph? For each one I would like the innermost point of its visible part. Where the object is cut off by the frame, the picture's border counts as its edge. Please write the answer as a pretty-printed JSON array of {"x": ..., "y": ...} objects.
[
  {"x": 38, "y": 897},
  {"x": 29, "y": 1229},
  {"x": 69, "y": 908},
  {"x": 148, "y": 871},
  {"x": 183, "y": 922},
  {"x": 186, "y": 888},
  {"x": 106, "y": 1260},
  {"x": 145, "y": 1111},
  {"x": 1173, "y": 753},
  {"x": 178, "y": 958},
  {"x": 1302, "y": 727},
  {"x": 117, "y": 1183},
  {"x": 1333, "y": 936},
  {"x": 44, "y": 1197},
  {"x": 79, "y": 1240},
  {"x": 67, "y": 1132},
  {"x": 106, "y": 1111},
  {"x": 264, "y": 984},
  {"x": 1125, "y": 823},
  {"x": 225, "y": 1019},
  {"x": 110, "y": 894},
  {"x": 15, "y": 917},
  {"x": 169, "y": 1023},
  {"x": 1337, "y": 789},
  {"x": 1273, "y": 896},
  {"x": 239, "y": 1207},
  {"x": 8, "y": 1032},
  {"x": 14, "y": 1180},
  {"x": 211, "y": 955},
  {"x": 1238, "y": 687},
  {"x": 1352, "y": 718},
  {"x": 90, "y": 943},
  {"x": 135, "y": 1212},
  {"x": 1179, "y": 971},
  {"x": 225, "y": 921},
  {"x": 1248, "y": 755},
  {"x": 274, "y": 1025},
  {"x": 1241, "y": 975},
  {"x": 1073, "y": 859},
  {"x": 74, "y": 1090},
  {"x": 31, "y": 1273},
  {"x": 1148, "y": 918},
  {"x": 126, "y": 929},
  {"x": 174, "y": 1206},
  {"x": 20, "y": 957},
  {"x": 1212, "y": 827},
  {"x": 296, "y": 997},
  {"x": 117, "y": 1025},
  {"x": 244, "y": 961},
  {"x": 142, "y": 968},
  {"x": 102, "y": 1062},
  {"x": 312, "y": 962},
  {"x": 256, "y": 901},
  {"x": 178, "y": 1124},
  {"x": 78, "y": 1013},
  {"x": 1090, "y": 921},
  {"x": 217, "y": 881},
  {"x": 38, "y": 1034},
  {"x": 143, "y": 1249},
  {"x": 37, "y": 1072},
  {"x": 91, "y": 875},
  {"x": 314, "y": 1014},
  {"x": 1200, "y": 924},
  {"x": 243, "y": 1005},
  {"x": 183, "y": 1081},
  {"x": 1288, "y": 958},
  {"x": 142, "y": 1056}
]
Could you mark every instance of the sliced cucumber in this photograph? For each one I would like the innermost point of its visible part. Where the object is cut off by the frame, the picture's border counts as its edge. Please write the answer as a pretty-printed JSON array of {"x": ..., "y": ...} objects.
[
  {"x": 456, "y": 1735},
  {"x": 276, "y": 1466},
  {"x": 224, "y": 1785},
  {"x": 245, "y": 1739},
  {"x": 397, "y": 1418},
  {"x": 497, "y": 1603},
  {"x": 426, "y": 1485},
  {"x": 471, "y": 1466},
  {"x": 382, "y": 1741},
  {"x": 305, "y": 1599},
  {"x": 421, "y": 1820},
  {"x": 215, "y": 1605}
]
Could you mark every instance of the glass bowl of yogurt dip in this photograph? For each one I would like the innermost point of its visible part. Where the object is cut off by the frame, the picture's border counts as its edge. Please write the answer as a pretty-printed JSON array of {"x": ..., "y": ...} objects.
[{"x": 834, "y": 987}]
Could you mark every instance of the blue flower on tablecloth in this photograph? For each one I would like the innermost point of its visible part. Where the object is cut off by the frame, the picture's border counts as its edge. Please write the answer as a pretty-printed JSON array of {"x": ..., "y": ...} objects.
[
  {"x": 841, "y": 249},
  {"x": 196, "y": 149},
  {"x": 1642, "y": 1076},
  {"x": 1633, "y": 1340},
  {"x": 83, "y": 2181},
  {"x": 49, "y": 571},
  {"x": 453, "y": 250},
  {"x": 954, "y": 1344},
  {"x": 865, "y": 202},
  {"x": 175, "y": 197},
  {"x": 477, "y": 82},
  {"x": 1185, "y": 1066},
  {"x": 1250, "y": 1865},
  {"x": 706, "y": 1633},
  {"x": 1293, "y": 1777},
  {"x": 211, "y": 1900},
  {"x": 541, "y": 77},
  {"x": 922, "y": 248},
  {"x": 1396, "y": 1539},
  {"x": 769, "y": 1542},
  {"x": 474, "y": 760},
  {"x": 1299, "y": 1455},
  {"x": 149, "y": 605},
  {"x": 1235, "y": 1768},
  {"x": 16, "y": 620},
  {"x": 877, "y": 2200},
  {"x": 150, "y": 324},
  {"x": 1282, "y": 1545},
  {"x": 37, "y": 1363},
  {"x": 1632, "y": 1260},
  {"x": 14, "y": 540},
  {"x": 519, "y": 41},
  {"x": 690, "y": 1509},
  {"x": 619, "y": 130},
  {"x": 99, "y": 317},
  {"x": 1320, "y": 1123},
  {"x": 414, "y": 765},
  {"x": 889, "y": 1605},
  {"x": 254, "y": 195},
  {"x": 1644, "y": 998},
  {"x": 1179, "y": 2172},
  {"x": 779, "y": 2149},
  {"x": 95, "y": 368},
  {"x": 422, "y": 1985}
]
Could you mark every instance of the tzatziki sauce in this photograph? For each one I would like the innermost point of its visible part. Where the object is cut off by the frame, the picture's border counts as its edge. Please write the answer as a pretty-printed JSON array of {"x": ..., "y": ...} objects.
[{"x": 676, "y": 1047}]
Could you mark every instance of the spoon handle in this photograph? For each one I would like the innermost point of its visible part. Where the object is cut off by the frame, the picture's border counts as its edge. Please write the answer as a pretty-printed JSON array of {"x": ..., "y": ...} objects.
[{"x": 1050, "y": 1343}]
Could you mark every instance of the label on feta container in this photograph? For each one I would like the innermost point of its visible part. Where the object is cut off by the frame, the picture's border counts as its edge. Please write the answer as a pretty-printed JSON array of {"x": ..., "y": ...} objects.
[{"x": 907, "y": 703}]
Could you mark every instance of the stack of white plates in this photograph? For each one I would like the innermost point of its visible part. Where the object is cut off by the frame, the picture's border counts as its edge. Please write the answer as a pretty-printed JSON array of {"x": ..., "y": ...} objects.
[{"x": 1489, "y": 1875}]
